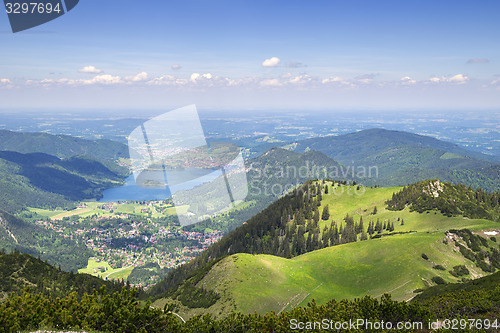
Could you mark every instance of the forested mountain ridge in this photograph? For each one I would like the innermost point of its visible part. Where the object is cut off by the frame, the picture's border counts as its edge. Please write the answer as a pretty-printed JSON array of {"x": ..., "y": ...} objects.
[
  {"x": 449, "y": 199},
  {"x": 64, "y": 146},
  {"x": 39, "y": 180},
  {"x": 29, "y": 238},
  {"x": 19, "y": 271}
]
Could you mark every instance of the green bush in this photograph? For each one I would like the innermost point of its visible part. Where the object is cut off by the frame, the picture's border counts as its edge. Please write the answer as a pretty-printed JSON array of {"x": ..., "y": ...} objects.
[{"x": 438, "y": 280}]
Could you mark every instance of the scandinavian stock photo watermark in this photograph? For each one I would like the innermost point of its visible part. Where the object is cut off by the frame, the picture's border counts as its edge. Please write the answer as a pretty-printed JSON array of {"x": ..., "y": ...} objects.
[{"x": 278, "y": 180}]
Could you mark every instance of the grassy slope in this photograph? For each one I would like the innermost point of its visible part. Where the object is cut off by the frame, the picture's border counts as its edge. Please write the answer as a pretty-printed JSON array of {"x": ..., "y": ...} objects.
[
  {"x": 111, "y": 273},
  {"x": 391, "y": 264}
]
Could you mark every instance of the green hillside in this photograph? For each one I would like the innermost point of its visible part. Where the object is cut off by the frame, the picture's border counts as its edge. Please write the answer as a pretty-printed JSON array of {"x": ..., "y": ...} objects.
[{"x": 390, "y": 262}]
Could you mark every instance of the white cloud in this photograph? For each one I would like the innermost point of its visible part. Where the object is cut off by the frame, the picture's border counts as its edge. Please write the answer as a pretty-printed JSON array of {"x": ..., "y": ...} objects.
[
  {"x": 142, "y": 76},
  {"x": 331, "y": 79},
  {"x": 271, "y": 62},
  {"x": 459, "y": 79},
  {"x": 90, "y": 70},
  {"x": 495, "y": 82},
  {"x": 271, "y": 83},
  {"x": 194, "y": 77},
  {"x": 407, "y": 80},
  {"x": 162, "y": 80},
  {"x": 300, "y": 79},
  {"x": 6, "y": 83},
  {"x": 176, "y": 67},
  {"x": 455, "y": 79},
  {"x": 197, "y": 77},
  {"x": 103, "y": 79}
]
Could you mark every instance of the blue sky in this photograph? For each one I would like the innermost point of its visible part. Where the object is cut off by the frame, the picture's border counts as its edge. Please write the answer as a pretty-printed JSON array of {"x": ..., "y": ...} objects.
[{"x": 320, "y": 55}]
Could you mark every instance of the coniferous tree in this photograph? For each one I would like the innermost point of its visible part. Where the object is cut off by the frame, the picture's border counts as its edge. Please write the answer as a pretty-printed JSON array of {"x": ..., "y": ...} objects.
[
  {"x": 363, "y": 236},
  {"x": 315, "y": 240},
  {"x": 309, "y": 245},
  {"x": 349, "y": 232},
  {"x": 334, "y": 234},
  {"x": 286, "y": 249},
  {"x": 326, "y": 213},
  {"x": 316, "y": 216},
  {"x": 370, "y": 228},
  {"x": 361, "y": 227},
  {"x": 325, "y": 237}
]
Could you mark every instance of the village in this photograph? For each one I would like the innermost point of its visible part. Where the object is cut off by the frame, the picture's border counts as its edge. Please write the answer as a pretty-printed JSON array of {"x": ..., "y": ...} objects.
[{"x": 124, "y": 235}]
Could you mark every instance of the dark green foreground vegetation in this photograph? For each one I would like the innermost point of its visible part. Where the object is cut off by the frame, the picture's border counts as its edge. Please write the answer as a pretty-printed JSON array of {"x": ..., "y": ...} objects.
[{"x": 122, "y": 312}]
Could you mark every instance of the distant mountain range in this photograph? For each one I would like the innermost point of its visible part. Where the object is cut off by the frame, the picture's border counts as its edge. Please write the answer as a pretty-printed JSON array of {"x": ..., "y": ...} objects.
[
  {"x": 43, "y": 170},
  {"x": 402, "y": 158},
  {"x": 106, "y": 152},
  {"x": 359, "y": 145},
  {"x": 41, "y": 180}
]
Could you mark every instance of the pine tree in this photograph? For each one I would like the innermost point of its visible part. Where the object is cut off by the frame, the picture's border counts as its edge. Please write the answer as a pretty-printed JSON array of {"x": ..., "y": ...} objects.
[
  {"x": 363, "y": 236},
  {"x": 325, "y": 237},
  {"x": 286, "y": 249},
  {"x": 309, "y": 246},
  {"x": 371, "y": 229},
  {"x": 374, "y": 210},
  {"x": 334, "y": 234},
  {"x": 326, "y": 188},
  {"x": 315, "y": 240},
  {"x": 349, "y": 233},
  {"x": 326, "y": 213},
  {"x": 361, "y": 227}
]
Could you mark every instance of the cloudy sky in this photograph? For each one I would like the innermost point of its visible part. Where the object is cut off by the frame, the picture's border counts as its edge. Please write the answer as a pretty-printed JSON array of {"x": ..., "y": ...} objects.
[{"x": 233, "y": 54}]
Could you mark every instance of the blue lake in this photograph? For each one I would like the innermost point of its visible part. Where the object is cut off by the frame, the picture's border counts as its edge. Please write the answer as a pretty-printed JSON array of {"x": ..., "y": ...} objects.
[{"x": 131, "y": 191}]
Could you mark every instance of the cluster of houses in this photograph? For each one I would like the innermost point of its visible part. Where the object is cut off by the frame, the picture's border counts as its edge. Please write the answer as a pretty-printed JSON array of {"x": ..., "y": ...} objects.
[{"x": 100, "y": 239}]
